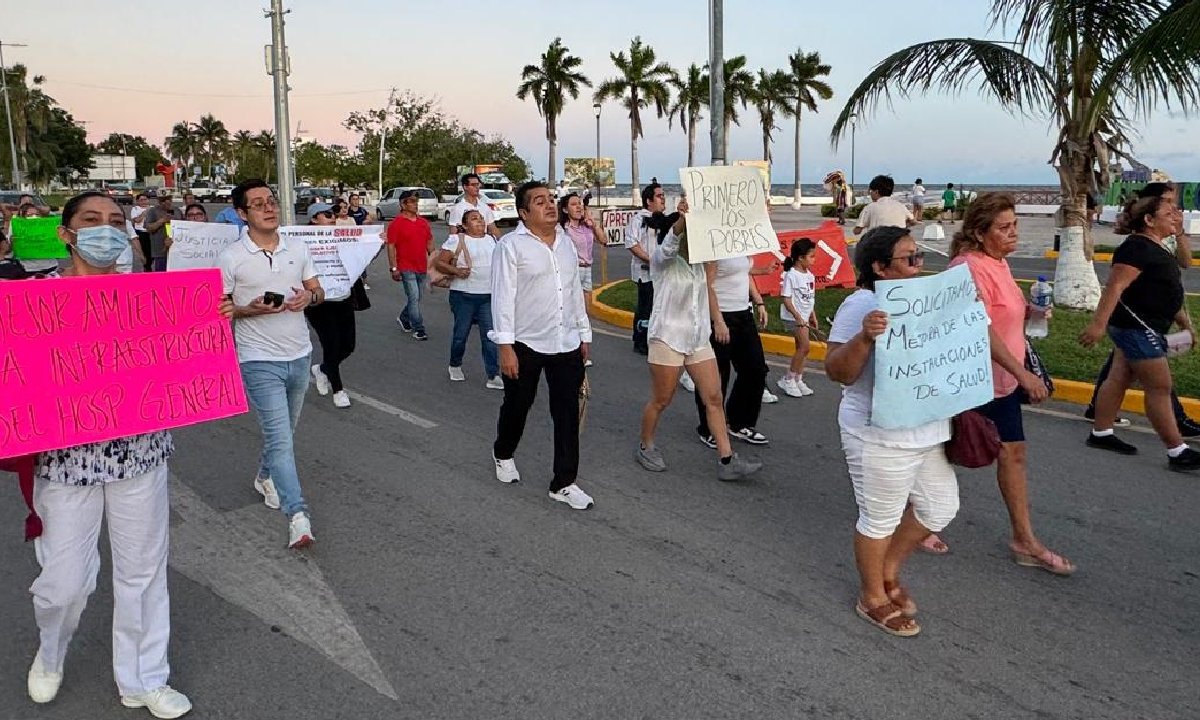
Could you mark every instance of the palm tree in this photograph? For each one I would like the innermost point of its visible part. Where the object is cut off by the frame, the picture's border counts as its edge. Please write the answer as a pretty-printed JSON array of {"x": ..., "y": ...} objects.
[
  {"x": 548, "y": 83},
  {"x": 642, "y": 81},
  {"x": 183, "y": 143},
  {"x": 242, "y": 143},
  {"x": 265, "y": 142},
  {"x": 32, "y": 112},
  {"x": 213, "y": 138},
  {"x": 1085, "y": 66},
  {"x": 804, "y": 73},
  {"x": 771, "y": 95},
  {"x": 691, "y": 97},
  {"x": 739, "y": 89}
]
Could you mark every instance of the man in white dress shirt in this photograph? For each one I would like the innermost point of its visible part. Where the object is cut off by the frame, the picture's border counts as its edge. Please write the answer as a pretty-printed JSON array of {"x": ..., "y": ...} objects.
[{"x": 540, "y": 325}]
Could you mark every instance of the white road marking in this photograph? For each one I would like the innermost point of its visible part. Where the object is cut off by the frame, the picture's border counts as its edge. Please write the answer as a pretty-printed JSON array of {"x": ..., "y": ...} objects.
[
  {"x": 241, "y": 556},
  {"x": 381, "y": 406}
]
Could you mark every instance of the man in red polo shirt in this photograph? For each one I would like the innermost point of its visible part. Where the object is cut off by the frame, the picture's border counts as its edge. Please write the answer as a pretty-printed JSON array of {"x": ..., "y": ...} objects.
[{"x": 410, "y": 243}]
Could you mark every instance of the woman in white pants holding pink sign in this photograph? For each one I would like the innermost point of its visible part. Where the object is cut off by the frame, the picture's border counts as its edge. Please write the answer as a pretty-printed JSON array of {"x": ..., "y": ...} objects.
[{"x": 123, "y": 481}]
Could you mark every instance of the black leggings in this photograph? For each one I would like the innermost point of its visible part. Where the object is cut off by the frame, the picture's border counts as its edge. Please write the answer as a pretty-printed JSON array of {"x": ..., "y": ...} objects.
[
  {"x": 334, "y": 322},
  {"x": 744, "y": 354}
]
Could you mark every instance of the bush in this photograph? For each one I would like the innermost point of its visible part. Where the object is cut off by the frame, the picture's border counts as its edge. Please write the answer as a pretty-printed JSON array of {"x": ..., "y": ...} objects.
[
  {"x": 931, "y": 213},
  {"x": 829, "y": 210},
  {"x": 854, "y": 211}
]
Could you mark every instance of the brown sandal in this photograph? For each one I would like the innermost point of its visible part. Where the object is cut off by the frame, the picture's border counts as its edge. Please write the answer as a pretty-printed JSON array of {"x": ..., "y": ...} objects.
[
  {"x": 900, "y": 598},
  {"x": 888, "y": 618}
]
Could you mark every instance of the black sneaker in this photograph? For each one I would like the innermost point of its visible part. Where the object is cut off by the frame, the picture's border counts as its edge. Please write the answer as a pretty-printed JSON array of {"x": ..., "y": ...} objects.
[
  {"x": 1189, "y": 428},
  {"x": 420, "y": 335},
  {"x": 708, "y": 440},
  {"x": 1111, "y": 442},
  {"x": 1186, "y": 461}
]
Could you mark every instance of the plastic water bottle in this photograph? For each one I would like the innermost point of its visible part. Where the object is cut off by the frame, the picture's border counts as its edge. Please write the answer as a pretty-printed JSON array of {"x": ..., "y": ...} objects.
[{"x": 1041, "y": 297}]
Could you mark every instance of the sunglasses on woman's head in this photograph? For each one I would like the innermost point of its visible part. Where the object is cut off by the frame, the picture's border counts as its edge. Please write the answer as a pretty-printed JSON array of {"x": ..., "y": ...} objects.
[{"x": 913, "y": 259}]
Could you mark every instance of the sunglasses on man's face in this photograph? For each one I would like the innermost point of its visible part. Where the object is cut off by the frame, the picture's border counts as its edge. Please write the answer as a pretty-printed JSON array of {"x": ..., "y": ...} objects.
[{"x": 913, "y": 259}]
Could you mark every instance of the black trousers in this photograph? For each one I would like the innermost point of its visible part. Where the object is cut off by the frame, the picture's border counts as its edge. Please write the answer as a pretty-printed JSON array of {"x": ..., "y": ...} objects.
[
  {"x": 641, "y": 316},
  {"x": 564, "y": 376},
  {"x": 334, "y": 322},
  {"x": 144, "y": 242},
  {"x": 744, "y": 353}
]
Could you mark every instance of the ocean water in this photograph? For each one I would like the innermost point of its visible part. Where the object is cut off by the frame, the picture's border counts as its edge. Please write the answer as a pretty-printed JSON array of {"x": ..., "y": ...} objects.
[{"x": 781, "y": 189}]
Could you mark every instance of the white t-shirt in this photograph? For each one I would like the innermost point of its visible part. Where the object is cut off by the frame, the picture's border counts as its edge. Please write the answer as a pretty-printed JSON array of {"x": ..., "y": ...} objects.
[
  {"x": 800, "y": 287},
  {"x": 636, "y": 234},
  {"x": 854, "y": 412},
  {"x": 883, "y": 212},
  {"x": 732, "y": 284},
  {"x": 480, "y": 280},
  {"x": 247, "y": 272},
  {"x": 918, "y": 194},
  {"x": 136, "y": 212},
  {"x": 462, "y": 206}
]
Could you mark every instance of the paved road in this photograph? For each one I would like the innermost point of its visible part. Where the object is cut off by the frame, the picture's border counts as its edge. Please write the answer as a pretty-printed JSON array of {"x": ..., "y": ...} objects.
[{"x": 436, "y": 592}]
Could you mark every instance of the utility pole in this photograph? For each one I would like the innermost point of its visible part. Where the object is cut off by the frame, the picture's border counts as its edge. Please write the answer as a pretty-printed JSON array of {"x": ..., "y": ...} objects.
[
  {"x": 716, "y": 80},
  {"x": 278, "y": 67},
  {"x": 12, "y": 140},
  {"x": 383, "y": 138}
]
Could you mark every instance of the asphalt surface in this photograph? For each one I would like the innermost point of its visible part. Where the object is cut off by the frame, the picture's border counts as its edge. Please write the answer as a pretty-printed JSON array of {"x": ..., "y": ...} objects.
[{"x": 434, "y": 591}]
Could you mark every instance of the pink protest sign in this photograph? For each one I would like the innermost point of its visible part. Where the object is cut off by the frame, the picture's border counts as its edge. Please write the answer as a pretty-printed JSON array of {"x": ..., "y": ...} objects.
[{"x": 86, "y": 359}]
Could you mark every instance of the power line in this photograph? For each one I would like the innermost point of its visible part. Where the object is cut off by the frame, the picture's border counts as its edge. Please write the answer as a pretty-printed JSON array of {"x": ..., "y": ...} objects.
[{"x": 208, "y": 95}]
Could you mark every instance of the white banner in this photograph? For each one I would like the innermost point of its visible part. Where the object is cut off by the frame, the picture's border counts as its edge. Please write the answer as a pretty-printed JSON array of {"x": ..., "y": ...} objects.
[
  {"x": 727, "y": 213},
  {"x": 340, "y": 252},
  {"x": 197, "y": 244},
  {"x": 613, "y": 223}
]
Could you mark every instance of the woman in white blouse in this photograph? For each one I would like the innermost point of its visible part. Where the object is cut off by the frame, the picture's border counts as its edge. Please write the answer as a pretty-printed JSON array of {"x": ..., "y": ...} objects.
[
  {"x": 123, "y": 481},
  {"x": 467, "y": 257},
  {"x": 680, "y": 324}
]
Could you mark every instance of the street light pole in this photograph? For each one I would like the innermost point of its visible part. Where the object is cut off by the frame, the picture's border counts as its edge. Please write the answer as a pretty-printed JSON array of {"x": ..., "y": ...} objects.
[
  {"x": 278, "y": 67},
  {"x": 383, "y": 138},
  {"x": 853, "y": 127},
  {"x": 12, "y": 141},
  {"x": 596, "y": 166},
  {"x": 716, "y": 80}
]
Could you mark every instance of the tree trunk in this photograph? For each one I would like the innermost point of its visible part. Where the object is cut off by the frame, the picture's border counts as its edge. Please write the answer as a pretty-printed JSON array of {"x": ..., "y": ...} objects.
[
  {"x": 725, "y": 143},
  {"x": 636, "y": 191},
  {"x": 691, "y": 143},
  {"x": 796, "y": 192},
  {"x": 1075, "y": 283}
]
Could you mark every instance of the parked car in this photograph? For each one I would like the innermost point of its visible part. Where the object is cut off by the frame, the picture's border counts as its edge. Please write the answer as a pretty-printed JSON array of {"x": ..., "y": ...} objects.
[
  {"x": 388, "y": 206},
  {"x": 121, "y": 192},
  {"x": 224, "y": 194},
  {"x": 204, "y": 190},
  {"x": 306, "y": 196},
  {"x": 503, "y": 205}
]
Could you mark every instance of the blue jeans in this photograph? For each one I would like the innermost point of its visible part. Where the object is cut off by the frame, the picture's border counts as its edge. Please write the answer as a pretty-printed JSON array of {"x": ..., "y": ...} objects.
[
  {"x": 469, "y": 309},
  {"x": 411, "y": 315},
  {"x": 276, "y": 392}
]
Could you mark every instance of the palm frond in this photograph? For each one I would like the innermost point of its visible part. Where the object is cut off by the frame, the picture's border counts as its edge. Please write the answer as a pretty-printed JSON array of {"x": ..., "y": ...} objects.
[{"x": 952, "y": 65}]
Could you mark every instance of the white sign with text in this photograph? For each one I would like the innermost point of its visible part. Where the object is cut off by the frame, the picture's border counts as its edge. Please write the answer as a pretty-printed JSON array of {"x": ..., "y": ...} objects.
[
  {"x": 340, "y": 252},
  {"x": 196, "y": 245},
  {"x": 727, "y": 213}
]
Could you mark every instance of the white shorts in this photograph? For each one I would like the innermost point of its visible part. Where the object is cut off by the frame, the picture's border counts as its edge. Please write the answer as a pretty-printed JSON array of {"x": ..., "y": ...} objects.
[
  {"x": 886, "y": 479},
  {"x": 663, "y": 354}
]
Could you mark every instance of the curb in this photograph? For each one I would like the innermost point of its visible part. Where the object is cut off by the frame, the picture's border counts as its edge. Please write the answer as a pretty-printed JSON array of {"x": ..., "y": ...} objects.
[
  {"x": 1101, "y": 257},
  {"x": 1072, "y": 391}
]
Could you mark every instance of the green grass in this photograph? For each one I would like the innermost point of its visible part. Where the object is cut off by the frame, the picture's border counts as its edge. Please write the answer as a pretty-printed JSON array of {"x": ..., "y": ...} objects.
[{"x": 1061, "y": 351}]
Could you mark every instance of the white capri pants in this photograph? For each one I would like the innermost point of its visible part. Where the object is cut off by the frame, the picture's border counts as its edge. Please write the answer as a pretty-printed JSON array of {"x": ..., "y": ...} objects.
[
  {"x": 138, "y": 517},
  {"x": 886, "y": 479}
]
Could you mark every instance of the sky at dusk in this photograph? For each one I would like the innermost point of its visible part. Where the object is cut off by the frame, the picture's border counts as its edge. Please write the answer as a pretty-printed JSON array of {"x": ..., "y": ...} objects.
[{"x": 139, "y": 67}]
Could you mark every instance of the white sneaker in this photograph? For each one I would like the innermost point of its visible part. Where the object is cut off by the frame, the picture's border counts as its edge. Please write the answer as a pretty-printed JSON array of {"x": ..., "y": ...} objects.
[
  {"x": 42, "y": 684},
  {"x": 495, "y": 383},
  {"x": 574, "y": 496},
  {"x": 300, "y": 534},
  {"x": 686, "y": 381},
  {"x": 804, "y": 389},
  {"x": 165, "y": 702},
  {"x": 341, "y": 399},
  {"x": 266, "y": 488},
  {"x": 506, "y": 470},
  {"x": 769, "y": 398},
  {"x": 321, "y": 380},
  {"x": 587, "y": 363},
  {"x": 788, "y": 386},
  {"x": 456, "y": 374}
]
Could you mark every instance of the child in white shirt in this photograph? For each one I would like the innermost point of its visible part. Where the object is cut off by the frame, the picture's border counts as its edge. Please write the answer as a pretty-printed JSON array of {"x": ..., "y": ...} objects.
[{"x": 798, "y": 312}]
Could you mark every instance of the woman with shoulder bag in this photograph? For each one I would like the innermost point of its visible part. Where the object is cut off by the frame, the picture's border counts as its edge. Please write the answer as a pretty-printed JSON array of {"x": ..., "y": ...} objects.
[
  {"x": 1142, "y": 299},
  {"x": 337, "y": 331},
  {"x": 466, "y": 258}
]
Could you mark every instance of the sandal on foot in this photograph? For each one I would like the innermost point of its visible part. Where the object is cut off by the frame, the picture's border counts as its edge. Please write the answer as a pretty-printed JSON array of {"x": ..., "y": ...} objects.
[
  {"x": 900, "y": 598},
  {"x": 888, "y": 618},
  {"x": 1049, "y": 561},
  {"x": 934, "y": 545}
]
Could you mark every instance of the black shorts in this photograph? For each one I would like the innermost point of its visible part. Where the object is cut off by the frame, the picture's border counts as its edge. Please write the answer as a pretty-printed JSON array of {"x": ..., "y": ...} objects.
[{"x": 1005, "y": 412}]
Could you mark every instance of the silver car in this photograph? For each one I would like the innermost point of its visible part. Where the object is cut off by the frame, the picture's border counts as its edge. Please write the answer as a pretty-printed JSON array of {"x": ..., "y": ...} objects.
[{"x": 388, "y": 206}]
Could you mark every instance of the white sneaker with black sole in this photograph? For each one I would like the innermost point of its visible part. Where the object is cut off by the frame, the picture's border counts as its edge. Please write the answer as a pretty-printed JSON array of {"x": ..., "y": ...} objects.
[
  {"x": 266, "y": 488},
  {"x": 506, "y": 470},
  {"x": 574, "y": 496},
  {"x": 749, "y": 435}
]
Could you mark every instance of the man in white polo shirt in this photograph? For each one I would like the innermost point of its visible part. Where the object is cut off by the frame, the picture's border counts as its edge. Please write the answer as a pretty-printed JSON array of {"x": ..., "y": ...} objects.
[
  {"x": 472, "y": 200},
  {"x": 271, "y": 281},
  {"x": 884, "y": 209}
]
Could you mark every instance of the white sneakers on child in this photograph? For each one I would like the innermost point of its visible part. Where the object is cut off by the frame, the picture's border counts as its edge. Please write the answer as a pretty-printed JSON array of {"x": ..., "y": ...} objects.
[{"x": 793, "y": 387}]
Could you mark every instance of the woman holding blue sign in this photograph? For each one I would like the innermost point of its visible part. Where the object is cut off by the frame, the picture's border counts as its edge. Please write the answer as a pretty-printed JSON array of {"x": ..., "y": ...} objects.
[
  {"x": 903, "y": 484},
  {"x": 987, "y": 237},
  {"x": 121, "y": 483}
]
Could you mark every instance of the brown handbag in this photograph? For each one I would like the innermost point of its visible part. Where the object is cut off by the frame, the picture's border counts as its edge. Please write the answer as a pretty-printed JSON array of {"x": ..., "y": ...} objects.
[
  {"x": 974, "y": 440},
  {"x": 439, "y": 279}
]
